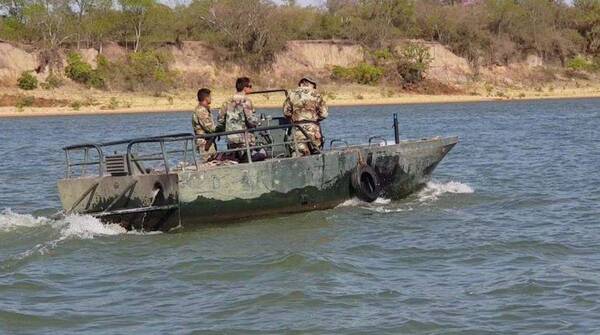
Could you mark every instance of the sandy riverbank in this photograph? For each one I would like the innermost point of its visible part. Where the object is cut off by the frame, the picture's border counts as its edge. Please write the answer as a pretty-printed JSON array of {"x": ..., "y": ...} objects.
[{"x": 93, "y": 102}]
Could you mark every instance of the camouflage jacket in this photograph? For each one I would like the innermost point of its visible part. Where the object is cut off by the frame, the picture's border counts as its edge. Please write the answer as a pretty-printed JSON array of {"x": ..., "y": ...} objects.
[
  {"x": 305, "y": 104},
  {"x": 237, "y": 114},
  {"x": 202, "y": 121}
]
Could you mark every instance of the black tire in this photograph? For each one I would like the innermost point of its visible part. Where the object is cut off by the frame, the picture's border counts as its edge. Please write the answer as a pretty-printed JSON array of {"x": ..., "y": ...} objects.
[{"x": 365, "y": 183}]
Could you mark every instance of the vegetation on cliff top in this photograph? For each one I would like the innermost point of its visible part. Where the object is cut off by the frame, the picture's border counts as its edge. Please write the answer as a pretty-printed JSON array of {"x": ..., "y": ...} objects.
[{"x": 485, "y": 32}]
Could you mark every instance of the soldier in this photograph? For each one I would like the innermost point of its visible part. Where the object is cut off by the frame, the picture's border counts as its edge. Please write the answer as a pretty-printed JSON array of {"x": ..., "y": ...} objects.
[
  {"x": 238, "y": 113},
  {"x": 304, "y": 104},
  {"x": 203, "y": 123}
]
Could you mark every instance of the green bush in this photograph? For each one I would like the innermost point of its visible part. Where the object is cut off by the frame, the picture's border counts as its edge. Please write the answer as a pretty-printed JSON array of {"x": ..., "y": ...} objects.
[
  {"x": 150, "y": 70},
  {"x": 80, "y": 71},
  {"x": 76, "y": 105},
  {"x": 383, "y": 54},
  {"x": 52, "y": 81},
  {"x": 367, "y": 74},
  {"x": 414, "y": 61},
  {"x": 140, "y": 71},
  {"x": 580, "y": 63},
  {"x": 24, "y": 102},
  {"x": 77, "y": 69},
  {"x": 113, "y": 103},
  {"x": 27, "y": 81},
  {"x": 341, "y": 73},
  {"x": 363, "y": 73}
]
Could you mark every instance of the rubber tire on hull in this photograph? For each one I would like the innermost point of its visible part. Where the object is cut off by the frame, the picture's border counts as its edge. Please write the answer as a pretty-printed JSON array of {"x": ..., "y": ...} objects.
[{"x": 365, "y": 183}]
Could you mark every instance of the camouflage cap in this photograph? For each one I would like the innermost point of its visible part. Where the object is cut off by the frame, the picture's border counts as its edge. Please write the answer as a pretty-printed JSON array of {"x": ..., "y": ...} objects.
[{"x": 309, "y": 79}]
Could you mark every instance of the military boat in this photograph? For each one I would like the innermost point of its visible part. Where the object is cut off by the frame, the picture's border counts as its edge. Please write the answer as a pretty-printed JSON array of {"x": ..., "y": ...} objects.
[{"x": 161, "y": 183}]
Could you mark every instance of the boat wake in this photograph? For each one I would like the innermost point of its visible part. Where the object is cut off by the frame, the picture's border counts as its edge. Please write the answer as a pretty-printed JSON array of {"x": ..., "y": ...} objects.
[
  {"x": 355, "y": 202},
  {"x": 71, "y": 226},
  {"x": 434, "y": 190},
  {"x": 52, "y": 232},
  {"x": 430, "y": 193}
]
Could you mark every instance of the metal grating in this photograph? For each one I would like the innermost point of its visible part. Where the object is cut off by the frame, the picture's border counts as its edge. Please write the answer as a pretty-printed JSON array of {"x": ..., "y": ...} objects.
[{"x": 116, "y": 165}]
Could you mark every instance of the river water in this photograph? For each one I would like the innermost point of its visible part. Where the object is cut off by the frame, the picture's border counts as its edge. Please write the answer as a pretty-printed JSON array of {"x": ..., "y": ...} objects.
[{"x": 505, "y": 239}]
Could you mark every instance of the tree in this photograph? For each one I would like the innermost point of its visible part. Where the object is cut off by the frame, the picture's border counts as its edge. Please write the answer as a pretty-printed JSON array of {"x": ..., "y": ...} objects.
[
  {"x": 375, "y": 22},
  {"x": 49, "y": 19},
  {"x": 84, "y": 10},
  {"x": 103, "y": 24},
  {"x": 247, "y": 28},
  {"x": 588, "y": 23},
  {"x": 135, "y": 12}
]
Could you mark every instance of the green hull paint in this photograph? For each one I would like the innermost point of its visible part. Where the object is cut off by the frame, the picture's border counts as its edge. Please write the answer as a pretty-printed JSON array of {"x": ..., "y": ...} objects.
[{"x": 227, "y": 193}]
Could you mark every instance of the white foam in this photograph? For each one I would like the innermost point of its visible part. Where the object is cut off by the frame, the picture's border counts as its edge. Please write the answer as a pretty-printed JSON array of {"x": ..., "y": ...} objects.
[
  {"x": 86, "y": 227},
  {"x": 433, "y": 190},
  {"x": 351, "y": 203},
  {"x": 71, "y": 227},
  {"x": 10, "y": 220},
  {"x": 389, "y": 210},
  {"x": 355, "y": 202},
  {"x": 382, "y": 201}
]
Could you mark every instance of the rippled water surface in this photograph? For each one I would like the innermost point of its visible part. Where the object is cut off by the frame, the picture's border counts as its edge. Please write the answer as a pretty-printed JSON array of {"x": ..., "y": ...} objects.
[{"x": 506, "y": 239}]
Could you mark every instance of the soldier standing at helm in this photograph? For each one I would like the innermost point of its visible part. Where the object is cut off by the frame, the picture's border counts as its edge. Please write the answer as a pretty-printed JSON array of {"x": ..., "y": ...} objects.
[
  {"x": 203, "y": 123},
  {"x": 237, "y": 113},
  {"x": 305, "y": 104}
]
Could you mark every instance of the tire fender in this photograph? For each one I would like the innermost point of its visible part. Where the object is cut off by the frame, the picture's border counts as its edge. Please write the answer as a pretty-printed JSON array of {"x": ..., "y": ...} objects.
[{"x": 365, "y": 183}]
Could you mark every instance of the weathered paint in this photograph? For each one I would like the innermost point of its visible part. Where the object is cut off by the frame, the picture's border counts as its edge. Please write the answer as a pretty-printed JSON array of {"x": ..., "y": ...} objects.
[
  {"x": 137, "y": 192},
  {"x": 217, "y": 194}
]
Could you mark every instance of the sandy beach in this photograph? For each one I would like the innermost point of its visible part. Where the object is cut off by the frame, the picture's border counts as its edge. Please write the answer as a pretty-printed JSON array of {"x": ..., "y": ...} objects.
[{"x": 71, "y": 102}]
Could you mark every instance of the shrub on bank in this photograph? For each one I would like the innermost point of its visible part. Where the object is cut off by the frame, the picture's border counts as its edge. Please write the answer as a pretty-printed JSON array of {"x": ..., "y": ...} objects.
[
  {"x": 27, "y": 81},
  {"x": 406, "y": 66},
  {"x": 140, "y": 71},
  {"x": 363, "y": 73},
  {"x": 580, "y": 63},
  {"x": 24, "y": 101},
  {"x": 80, "y": 71},
  {"x": 413, "y": 62},
  {"x": 52, "y": 81}
]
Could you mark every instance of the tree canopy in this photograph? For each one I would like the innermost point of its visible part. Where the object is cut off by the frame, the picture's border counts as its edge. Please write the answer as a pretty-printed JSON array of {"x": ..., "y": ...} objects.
[{"x": 484, "y": 31}]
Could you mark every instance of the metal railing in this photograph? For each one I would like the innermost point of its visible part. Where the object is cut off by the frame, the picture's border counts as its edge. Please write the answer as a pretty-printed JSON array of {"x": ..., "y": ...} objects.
[
  {"x": 99, "y": 149},
  {"x": 132, "y": 159}
]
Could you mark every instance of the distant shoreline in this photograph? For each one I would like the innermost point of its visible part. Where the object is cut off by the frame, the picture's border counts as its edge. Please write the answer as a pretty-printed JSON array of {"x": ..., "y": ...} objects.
[{"x": 13, "y": 112}]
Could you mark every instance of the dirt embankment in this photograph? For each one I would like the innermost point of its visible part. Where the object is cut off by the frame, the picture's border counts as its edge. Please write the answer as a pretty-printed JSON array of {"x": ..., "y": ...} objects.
[
  {"x": 449, "y": 78},
  {"x": 199, "y": 64}
]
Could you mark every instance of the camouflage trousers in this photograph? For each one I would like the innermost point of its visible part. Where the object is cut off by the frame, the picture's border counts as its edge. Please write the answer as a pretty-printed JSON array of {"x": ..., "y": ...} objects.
[
  {"x": 237, "y": 140},
  {"x": 311, "y": 144},
  {"x": 206, "y": 155}
]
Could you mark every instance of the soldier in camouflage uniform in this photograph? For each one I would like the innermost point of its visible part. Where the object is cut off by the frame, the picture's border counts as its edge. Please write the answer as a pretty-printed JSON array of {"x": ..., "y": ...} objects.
[
  {"x": 203, "y": 123},
  {"x": 304, "y": 104},
  {"x": 238, "y": 114}
]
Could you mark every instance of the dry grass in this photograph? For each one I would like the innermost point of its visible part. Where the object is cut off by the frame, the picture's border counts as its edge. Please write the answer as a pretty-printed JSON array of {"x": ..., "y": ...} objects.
[
  {"x": 73, "y": 100},
  {"x": 7, "y": 100}
]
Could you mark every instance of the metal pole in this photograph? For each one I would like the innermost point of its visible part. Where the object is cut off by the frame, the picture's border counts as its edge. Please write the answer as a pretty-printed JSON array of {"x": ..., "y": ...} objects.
[
  {"x": 396, "y": 130},
  {"x": 85, "y": 161},
  {"x": 248, "y": 153},
  {"x": 294, "y": 140},
  {"x": 194, "y": 148},
  {"x": 164, "y": 153},
  {"x": 185, "y": 151},
  {"x": 68, "y": 164}
]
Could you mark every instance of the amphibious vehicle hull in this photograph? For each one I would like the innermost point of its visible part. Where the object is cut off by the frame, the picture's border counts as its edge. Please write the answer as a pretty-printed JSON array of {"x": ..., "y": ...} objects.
[{"x": 215, "y": 194}]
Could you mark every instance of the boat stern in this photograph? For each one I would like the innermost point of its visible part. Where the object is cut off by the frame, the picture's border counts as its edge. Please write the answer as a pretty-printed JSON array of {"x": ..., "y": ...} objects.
[{"x": 148, "y": 202}]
